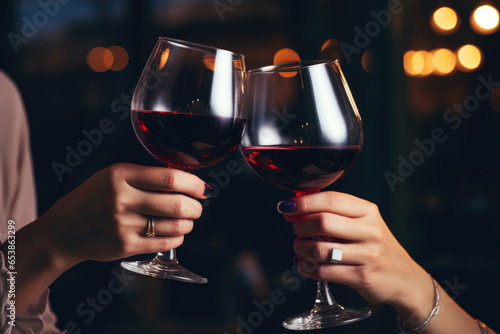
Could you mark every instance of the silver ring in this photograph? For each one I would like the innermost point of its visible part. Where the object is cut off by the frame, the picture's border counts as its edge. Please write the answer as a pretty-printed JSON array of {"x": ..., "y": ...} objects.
[
  {"x": 336, "y": 255},
  {"x": 150, "y": 230}
]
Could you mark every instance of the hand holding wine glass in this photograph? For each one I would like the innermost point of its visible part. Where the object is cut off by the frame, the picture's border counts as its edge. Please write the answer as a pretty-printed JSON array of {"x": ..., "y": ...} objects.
[
  {"x": 103, "y": 220},
  {"x": 187, "y": 112},
  {"x": 374, "y": 263},
  {"x": 313, "y": 147}
]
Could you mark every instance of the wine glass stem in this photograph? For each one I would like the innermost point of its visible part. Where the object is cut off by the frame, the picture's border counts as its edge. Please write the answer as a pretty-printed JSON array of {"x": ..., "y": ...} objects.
[
  {"x": 169, "y": 256},
  {"x": 324, "y": 297}
]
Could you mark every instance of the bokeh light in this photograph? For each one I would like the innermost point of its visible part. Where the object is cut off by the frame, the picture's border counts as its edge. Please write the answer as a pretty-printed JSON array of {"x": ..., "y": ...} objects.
[
  {"x": 469, "y": 57},
  {"x": 208, "y": 61},
  {"x": 444, "y": 20},
  {"x": 100, "y": 59},
  {"x": 331, "y": 50},
  {"x": 484, "y": 20},
  {"x": 367, "y": 61},
  {"x": 284, "y": 56},
  {"x": 423, "y": 63},
  {"x": 418, "y": 62},
  {"x": 120, "y": 58},
  {"x": 164, "y": 58},
  {"x": 408, "y": 63},
  {"x": 428, "y": 65},
  {"x": 444, "y": 61}
]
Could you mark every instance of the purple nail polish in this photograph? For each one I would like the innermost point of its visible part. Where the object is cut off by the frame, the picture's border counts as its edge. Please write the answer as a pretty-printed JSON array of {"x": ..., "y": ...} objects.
[
  {"x": 209, "y": 191},
  {"x": 286, "y": 206}
]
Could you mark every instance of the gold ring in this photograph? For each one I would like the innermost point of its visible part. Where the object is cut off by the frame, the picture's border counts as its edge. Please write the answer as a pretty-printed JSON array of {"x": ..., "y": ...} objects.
[{"x": 150, "y": 231}]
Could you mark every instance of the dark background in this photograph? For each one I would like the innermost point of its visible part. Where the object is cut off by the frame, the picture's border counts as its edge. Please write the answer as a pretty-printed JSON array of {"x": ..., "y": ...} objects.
[{"x": 445, "y": 213}]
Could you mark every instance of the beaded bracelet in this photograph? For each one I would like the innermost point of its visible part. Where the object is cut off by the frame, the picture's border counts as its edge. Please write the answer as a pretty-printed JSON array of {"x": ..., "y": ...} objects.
[{"x": 434, "y": 312}]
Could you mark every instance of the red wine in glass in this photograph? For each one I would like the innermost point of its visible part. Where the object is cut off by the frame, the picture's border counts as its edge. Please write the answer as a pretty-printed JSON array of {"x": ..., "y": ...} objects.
[
  {"x": 301, "y": 169},
  {"x": 187, "y": 141}
]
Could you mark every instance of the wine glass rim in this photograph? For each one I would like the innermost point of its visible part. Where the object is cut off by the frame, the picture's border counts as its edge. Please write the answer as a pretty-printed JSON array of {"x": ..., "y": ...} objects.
[
  {"x": 206, "y": 48},
  {"x": 293, "y": 66}
]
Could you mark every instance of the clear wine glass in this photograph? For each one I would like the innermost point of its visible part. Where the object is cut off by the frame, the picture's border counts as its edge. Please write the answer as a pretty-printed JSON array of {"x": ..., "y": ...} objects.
[
  {"x": 303, "y": 133},
  {"x": 187, "y": 112}
]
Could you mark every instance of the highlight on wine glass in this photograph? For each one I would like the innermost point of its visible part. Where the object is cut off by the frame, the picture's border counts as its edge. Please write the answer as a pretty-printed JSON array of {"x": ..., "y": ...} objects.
[
  {"x": 303, "y": 133},
  {"x": 187, "y": 112}
]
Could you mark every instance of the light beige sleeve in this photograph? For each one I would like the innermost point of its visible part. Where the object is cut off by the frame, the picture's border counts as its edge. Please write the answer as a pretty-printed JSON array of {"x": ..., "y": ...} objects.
[
  {"x": 18, "y": 204},
  {"x": 17, "y": 188}
]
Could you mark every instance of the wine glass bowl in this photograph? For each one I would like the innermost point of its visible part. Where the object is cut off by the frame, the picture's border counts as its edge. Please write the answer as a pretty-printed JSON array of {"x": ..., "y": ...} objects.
[
  {"x": 303, "y": 133},
  {"x": 187, "y": 112}
]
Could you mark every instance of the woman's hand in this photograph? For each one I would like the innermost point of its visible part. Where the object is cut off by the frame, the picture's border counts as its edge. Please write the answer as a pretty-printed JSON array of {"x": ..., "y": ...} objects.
[
  {"x": 373, "y": 263},
  {"x": 105, "y": 218}
]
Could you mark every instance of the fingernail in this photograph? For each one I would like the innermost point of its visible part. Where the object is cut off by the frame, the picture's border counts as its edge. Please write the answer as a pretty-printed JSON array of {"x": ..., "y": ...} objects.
[
  {"x": 209, "y": 191},
  {"x": 286, "y": 206}
]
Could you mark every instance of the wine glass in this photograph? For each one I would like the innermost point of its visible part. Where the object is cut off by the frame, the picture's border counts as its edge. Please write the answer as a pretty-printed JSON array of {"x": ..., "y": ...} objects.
[
  {"x": 303, "y": 133},
  {"x": 187, "y": 112}
]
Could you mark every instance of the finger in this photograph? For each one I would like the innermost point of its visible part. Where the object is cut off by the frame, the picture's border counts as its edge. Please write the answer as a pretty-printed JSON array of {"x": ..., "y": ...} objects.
[
  {"x": 142, "y": 244},
  {"x": 321, "y": 251},
  {"x": 330, "y": 201},
  {"x": 165, "y": 179},
  {"x": 342, "y": 274},
  {"x": 166, "y": 205},
  {"x": 172, "y": 227},
  {"x": 166, "y": 226},
  {"x": 330, "y": 224}
]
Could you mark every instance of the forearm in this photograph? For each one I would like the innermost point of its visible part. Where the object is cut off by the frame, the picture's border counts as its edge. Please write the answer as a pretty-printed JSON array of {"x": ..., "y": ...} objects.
[
  {"x": 37, "y": 264},
  {"x": 451, "y": 318}
]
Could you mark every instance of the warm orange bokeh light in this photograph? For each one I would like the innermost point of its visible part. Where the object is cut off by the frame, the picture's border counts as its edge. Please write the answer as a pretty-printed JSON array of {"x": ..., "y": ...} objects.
[
  {"x": 366, "y": 61},
  {"x": 120, "y": 58},
  {"x": 484, "y": 20},
  {"x": 331, "y": 50},
  {"x": 329, "y": 43},
  {"x": 408, "y": 63},
  {"x": 100, "y": 59},
  {"x": 164, "y": 58},
  {"x": 418, "y": 62},
  {"x": 209, "y": 62},
  {"x": 444, "y": 61},
  {"x": 428, "y": 66},
  {"x": 444, "y": 20},
  {"x": 469, "y": 57},
  {"x": 284, "y": 56}
]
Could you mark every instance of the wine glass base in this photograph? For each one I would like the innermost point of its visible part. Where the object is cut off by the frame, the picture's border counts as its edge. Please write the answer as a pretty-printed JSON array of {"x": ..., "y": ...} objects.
[
  {"x": 325, "y": 317},
  {"x": 163, "y": 269}
]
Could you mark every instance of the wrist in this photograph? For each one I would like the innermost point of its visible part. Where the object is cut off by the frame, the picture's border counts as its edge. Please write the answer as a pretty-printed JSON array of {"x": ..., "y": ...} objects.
[
  {"x": 416, "y": 299},
  {"x": 416, "y": 325},
  {"x": 46, "y": 247}
]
